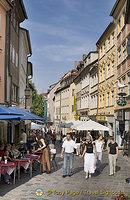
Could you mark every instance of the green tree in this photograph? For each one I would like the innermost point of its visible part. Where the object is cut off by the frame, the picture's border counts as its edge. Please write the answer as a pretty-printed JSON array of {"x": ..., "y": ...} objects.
[{"x": 37, "y": 102}]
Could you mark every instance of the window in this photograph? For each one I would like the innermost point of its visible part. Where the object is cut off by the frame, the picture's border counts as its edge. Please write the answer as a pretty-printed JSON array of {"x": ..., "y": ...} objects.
[
  {"x": 124, "y": 80},
  {"x": 109, "y": 43},
  {"x": 101, "y": 75},
  {"x": 129, "y": 84},
  {"x": 14, "y": 93},
  {"x": 108, "y": 98},
  {"x": 16, "y": 60},
  {"x": 108, "y": 71},
  {"x": 113, "y": 67},
  {"x": 119, "y": 56},
  {"x": 104, "y": 48},
  {"x": 13, "y": 54},
  {"x": 112, "y": 98},
  {"x": 103, "y": 100},
  {"x": 124, "y": 51},
  {"x": 101, "y": 51},
  {"x": 119, "y": 25},
  {"x": 72, "y": 108},
  {"x": 100, "y": 101},
  {"x": 72, "y": 92},
  {"x": 113, "y": 38}
]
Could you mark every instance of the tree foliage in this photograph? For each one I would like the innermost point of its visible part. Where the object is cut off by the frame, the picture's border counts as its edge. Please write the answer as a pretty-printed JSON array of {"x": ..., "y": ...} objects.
[{"x": 37, "y": 101}]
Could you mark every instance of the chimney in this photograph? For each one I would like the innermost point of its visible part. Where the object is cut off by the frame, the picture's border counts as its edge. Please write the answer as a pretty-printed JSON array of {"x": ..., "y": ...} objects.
[
  {"x": 76, "y": 63},
  {"x": 84, "y": 56}
]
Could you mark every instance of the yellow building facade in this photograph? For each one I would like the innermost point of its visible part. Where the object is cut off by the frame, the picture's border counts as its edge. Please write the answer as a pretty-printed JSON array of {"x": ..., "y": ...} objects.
[
  {"x": 122, "y": 112},
  {"x": 72, "y": 102},
  {"x": 106, "y": 77}
]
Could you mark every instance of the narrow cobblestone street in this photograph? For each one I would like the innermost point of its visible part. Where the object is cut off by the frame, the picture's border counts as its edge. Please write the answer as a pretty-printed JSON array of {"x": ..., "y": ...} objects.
[{"x": 76, "y": 187}]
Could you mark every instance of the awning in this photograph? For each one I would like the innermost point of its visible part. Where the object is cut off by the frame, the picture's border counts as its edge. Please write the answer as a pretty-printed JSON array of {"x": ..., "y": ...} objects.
[
  {"x": 10, "y": 117},
  {"x": 36, "y": 126},
  {"x": 6, "y": 111},
  {"x": 91, "y": 126},
  {"x": 70, "y": 124},
  {"x": 25, "y": 114}
]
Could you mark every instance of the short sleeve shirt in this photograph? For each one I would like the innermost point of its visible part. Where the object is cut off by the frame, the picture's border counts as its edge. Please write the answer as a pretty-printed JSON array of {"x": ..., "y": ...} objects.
[
  {"x": 112, "y": 148},
  {"x": 69, "y": 146}
]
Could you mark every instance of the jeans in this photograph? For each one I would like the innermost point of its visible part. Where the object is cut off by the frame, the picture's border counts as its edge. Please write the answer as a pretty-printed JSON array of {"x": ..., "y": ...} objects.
[
  {"x": 99, "y": 159},
  {"x": 6, "y": 177},
  {"x": 24, "y": 145},
  {"x": 68, "y": 157}
]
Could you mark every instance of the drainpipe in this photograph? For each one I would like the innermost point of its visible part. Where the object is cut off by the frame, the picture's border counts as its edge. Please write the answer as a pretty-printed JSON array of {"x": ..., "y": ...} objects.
[{"x": 7, "y": 61}]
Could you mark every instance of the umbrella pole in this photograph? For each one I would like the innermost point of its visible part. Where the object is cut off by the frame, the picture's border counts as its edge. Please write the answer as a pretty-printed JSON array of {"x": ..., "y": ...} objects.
[{"x": 12, "y": 131}]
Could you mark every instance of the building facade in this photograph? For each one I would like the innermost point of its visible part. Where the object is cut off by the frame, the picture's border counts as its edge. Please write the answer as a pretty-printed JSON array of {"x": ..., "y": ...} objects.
[
  {"x": 122, "y": 111},
  {"x": 50, "y": 102},
  {"x": 14, "y": 17},
  {"x": 107, "y": 77},
  {"x": 5, "y": 6},
  {"x": 83, "y": 87},
  {"x": 25, "y": 67}
]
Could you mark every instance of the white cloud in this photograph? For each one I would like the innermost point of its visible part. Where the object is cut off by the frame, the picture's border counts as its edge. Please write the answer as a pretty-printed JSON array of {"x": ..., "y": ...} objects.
[
  {"x": 61, "y": 32},
  {"x": 62, "y": 53}
]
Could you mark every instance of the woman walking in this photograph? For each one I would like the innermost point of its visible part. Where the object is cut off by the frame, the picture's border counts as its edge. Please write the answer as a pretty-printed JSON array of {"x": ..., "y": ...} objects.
[{"x": 89, "y": 157}]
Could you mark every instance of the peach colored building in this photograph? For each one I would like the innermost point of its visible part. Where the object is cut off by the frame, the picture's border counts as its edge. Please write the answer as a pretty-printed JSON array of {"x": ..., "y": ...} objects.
[{"x": 4, "y": 7}]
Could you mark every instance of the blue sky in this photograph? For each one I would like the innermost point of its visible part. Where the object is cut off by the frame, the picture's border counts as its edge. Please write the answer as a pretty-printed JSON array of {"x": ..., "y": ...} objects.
[{"x": 61, "y": 32}]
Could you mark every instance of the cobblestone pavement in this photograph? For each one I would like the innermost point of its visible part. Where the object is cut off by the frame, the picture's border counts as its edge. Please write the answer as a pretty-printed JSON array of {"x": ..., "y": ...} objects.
[{"x": 71, "y": 188}]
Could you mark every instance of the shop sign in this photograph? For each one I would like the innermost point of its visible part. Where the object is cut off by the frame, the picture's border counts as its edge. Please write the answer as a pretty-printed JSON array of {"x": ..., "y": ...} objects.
[
  {"x": 101, "y": 118},
  {"x": 121, "y": 102}
]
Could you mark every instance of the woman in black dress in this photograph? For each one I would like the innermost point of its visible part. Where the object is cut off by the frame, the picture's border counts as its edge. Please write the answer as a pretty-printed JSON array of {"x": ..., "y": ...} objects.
[{"x": 90, "y": 155}]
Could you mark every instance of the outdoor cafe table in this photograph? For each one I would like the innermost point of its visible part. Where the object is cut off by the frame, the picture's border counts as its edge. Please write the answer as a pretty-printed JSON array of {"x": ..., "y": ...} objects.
[
  {"x": 20, "y": 162},
  {"x": 4, "y": 168},
  {"x": 34, "y": 157}
]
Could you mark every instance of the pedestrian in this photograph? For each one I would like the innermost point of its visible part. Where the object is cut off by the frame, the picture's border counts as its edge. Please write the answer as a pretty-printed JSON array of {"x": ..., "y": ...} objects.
[
  {"x": 53, "y": 138},
  {"x": 68, "y": 149},
  {"x": 24, "y": 138},
  {"x": 113, "y": 155},
  {"x": 45, "y": 154},
  {"x": 77, "y": 140},
  {"x": 99, "y": 148},
  {"x": 89, "y": 157}
]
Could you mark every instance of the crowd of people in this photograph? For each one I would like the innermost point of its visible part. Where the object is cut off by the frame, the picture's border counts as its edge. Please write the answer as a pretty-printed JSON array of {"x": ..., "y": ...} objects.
[
  {"x": 91, "y": 149},
  {"x": 85, "y": 146},
  {"x": 40, "y": 141}
]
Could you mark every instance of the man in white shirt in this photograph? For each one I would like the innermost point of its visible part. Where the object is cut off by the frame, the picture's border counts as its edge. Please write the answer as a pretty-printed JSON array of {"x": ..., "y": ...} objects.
[
  {"x": 99, "y": 148},
  {"x": 24, "y": 138},
  {"x": 67, "y": 149}
]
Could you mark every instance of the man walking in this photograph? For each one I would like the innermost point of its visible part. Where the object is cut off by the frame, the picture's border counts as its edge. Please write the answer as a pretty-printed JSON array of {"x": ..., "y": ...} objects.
[
  {"x": 113, "y": 155},
  {"x": 67, "y": 149}
]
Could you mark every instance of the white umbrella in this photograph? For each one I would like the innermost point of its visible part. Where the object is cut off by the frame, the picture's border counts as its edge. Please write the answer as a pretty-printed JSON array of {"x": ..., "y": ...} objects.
[
  {"x": 36, "y": 126},
  {"x": 69, "y": 124},
  {"x": 91, "y": 126},
  {"x": 77, "y": 123}
]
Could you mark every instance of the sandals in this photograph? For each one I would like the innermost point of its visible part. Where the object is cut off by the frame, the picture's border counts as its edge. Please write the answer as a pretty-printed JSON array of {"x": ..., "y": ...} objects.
[{"x": 90, "y": 176}]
